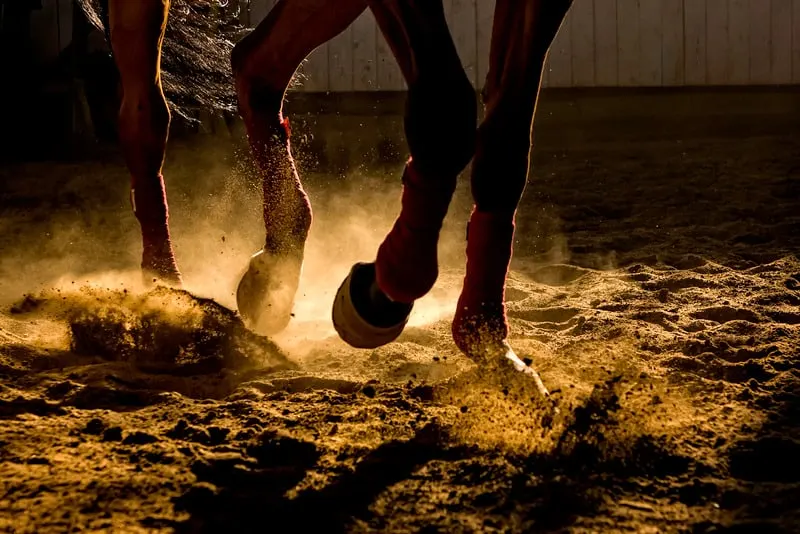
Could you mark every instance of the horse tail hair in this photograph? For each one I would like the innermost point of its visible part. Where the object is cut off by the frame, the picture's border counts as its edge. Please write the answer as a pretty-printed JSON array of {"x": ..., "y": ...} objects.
[{"x": 195, "y": 59}]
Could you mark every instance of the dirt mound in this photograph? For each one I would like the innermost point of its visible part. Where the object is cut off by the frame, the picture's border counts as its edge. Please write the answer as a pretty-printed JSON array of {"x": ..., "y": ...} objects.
[{"x": 163, "y": 330}]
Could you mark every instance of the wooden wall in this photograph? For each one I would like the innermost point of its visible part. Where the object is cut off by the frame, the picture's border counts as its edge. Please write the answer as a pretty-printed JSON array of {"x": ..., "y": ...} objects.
[{"x": 602, "y": 43}]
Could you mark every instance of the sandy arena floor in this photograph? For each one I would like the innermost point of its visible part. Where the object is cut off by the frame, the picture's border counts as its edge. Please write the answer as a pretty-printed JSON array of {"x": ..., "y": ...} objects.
[{"x": 656, "y": 286}]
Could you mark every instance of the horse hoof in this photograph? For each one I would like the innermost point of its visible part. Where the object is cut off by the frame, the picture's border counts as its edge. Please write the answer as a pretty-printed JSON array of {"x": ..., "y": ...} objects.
[
  {"x": 151, "y": 278},
  {"x": 161, "y": 269},
  {"x": 363, "y": 315},
  {"x": 265, "y": 295}
]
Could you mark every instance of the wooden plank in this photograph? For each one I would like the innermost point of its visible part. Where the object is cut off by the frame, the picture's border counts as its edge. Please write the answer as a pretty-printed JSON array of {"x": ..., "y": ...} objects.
[
  {"x": 650, "y": 43},
  {"x": 484, "y": 19},
  {"x": 313, "y": 73},
  {"x": 694, "y": 25},
  {"x": 560, "y": 74},
  {"x": 796, "y": 41},
  {"x": 389, "y": 76},
  {"x": 340, "y": 61},
  {"x": 365, "y": 72},
  {"x": 717, "y": 67},
  {"x": 781, "y": 42},
  {"x": 605, "y": 42},
  {"x": 628, "y": 42},
  {"x": 583, "y": 42},
  {"x": 464, "y": 33},
  {"x": 739, "y": 41},
  {"x": 672, "y": 43},
  {"x": 760, "y": 18}
]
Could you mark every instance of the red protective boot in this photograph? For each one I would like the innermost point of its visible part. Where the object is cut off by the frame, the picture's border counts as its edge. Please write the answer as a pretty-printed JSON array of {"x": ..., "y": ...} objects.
[
  {"x": 407, "y": 261},
  {"x": 480, "y": 327},
  {"x": 149, "y": 202}
]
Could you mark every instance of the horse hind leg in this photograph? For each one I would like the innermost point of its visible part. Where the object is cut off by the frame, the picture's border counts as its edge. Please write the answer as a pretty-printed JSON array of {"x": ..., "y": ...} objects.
[
  {"x": 373, "y": 304},
  {"x": 263, "y": 64},
  {"x": 136, "y": 30},
  {"x": 521, "y": 37}
]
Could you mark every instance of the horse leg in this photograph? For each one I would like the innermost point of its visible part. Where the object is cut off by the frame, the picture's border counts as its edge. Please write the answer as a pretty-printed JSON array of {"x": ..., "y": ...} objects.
[
  {"x": 263, "y": 65},
  {"x": 137, "y": 31},
  {"x": 375, "y": 300},
  {"x": 521, "y": 36}
]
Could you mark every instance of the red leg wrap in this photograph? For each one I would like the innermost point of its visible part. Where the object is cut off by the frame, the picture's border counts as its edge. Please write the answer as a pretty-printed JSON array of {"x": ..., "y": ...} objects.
[
  {"x": 407, "y": 262},
  {"x": 480, "y": 327},
  {"x": 149, "y": 202}
]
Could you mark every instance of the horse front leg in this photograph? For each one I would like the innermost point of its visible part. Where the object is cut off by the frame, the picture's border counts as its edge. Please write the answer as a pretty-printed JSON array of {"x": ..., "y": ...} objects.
[
  {"x": 375, "y": 300},
  {"x": 137, "y": 31},
  {"x": 521, "y": 36},
  {"x": 263, "y": 64}
]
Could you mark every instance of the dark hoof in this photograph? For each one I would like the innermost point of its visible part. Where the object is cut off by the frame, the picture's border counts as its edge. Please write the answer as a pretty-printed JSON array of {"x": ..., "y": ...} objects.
[
  {"x": 265, "y": 296},
  {"x": 362, "y": 315},
  {"x": 483, "y": 338},
  {"x": 482, "y": 333}
]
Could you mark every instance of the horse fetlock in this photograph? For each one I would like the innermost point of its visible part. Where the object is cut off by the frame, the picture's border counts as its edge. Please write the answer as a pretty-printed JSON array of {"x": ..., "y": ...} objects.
[
  {"x": 287, "y": 224},
  {"x": 407, "y": 260},
  {"x": 407, "y": 263},
  {"x": 158, "y": 258},
  {"x": 161, "y": 268}
]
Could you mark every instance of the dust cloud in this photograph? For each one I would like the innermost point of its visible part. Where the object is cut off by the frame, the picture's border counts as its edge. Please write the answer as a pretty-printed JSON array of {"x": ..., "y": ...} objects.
[{"x": 216, "y": 224}]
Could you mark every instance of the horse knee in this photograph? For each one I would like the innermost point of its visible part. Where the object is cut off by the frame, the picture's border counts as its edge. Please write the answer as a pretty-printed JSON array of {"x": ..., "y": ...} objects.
[
  {"x": 258, "y": 93},
  {"x": 440, "y": 123},
  {"x": 144, "y": 120}
]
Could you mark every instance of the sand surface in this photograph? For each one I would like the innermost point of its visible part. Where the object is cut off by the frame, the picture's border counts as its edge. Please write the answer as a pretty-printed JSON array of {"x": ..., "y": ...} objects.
[{"x": 656, "y": 286}]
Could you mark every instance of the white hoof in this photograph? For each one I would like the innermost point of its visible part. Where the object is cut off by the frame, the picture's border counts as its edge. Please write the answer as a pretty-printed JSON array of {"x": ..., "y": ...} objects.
[
  {"x": 363, "y": 319},
  {"x": 266, "y": 291}
]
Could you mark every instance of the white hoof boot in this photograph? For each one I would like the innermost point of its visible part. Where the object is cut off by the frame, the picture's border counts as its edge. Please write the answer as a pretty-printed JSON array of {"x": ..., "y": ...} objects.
[
  {"x": 266, "y": 292},
  {"x": 363, "y": 316}
]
